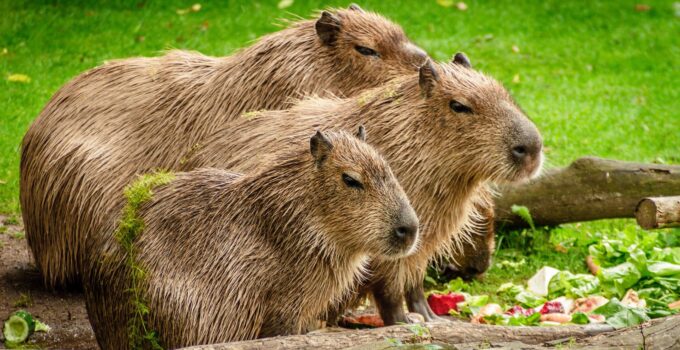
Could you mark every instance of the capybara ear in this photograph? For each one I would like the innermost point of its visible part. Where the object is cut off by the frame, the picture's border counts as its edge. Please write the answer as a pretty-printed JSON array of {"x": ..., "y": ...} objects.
[
  {"x": 320, "y": 147},
  {"x": 361, "y": 133},
  {"x": 327, "y": 28},
  {"x": 461, "y": 59},
  {"x": 355, "y": 7},
  {"x": 428, "y": 78}
]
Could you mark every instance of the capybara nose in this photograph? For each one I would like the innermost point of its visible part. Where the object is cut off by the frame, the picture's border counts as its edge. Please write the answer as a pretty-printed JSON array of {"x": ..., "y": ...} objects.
[
  {"x": 406, "y": 228},
  {"x": 406, "y": 232},
  {"x": 525, "y": 150}
]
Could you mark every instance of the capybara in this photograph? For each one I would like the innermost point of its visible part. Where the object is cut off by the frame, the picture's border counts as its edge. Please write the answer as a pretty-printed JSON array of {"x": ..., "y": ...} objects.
[
  {"x": 477, "y": 253},
  {"x": 232, "y": 257},
  {"x": 132, "y": 116},
  {"x": 446, "y": 132}
]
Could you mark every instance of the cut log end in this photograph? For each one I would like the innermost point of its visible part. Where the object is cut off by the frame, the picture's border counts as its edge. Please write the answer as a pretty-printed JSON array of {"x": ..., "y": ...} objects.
[{"x": 658, "y": 212}]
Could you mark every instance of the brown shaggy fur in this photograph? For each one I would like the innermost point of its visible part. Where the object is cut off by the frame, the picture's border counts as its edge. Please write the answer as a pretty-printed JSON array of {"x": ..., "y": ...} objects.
[
  {"x": 134, "y": 115},
  {"x": 269, "y": 251},
  {"x": 476, "y": 254},
  {"x": 442, "y": 158}
]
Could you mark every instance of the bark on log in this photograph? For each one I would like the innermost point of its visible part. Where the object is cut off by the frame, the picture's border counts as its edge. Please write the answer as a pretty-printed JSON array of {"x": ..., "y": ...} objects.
[
  {"x": 589, "y": 189},
  {"x": 659, "y": 333},
  {"x": 658, "y": 212}
]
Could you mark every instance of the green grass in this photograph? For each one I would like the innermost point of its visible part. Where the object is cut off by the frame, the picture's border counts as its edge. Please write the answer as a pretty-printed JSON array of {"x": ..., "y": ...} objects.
[{"x": 597, "y": 78}]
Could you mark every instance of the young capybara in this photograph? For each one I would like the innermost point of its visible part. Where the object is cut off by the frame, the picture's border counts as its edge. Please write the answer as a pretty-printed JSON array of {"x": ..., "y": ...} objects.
[
  {"x": 232, "y": 257},
  {"x": 446, "y": 132},
  {"x": 132, "y": 116}
]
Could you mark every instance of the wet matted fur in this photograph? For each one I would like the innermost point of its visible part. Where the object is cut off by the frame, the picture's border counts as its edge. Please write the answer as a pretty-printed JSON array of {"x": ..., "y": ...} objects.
[
  {"x": 233, "y": 257},
  {"x": 442, "y": 157},
  {"x": 131, "y": 116}
]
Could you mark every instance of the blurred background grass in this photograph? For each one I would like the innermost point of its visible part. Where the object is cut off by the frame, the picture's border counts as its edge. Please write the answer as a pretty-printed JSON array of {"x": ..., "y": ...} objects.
[{"x": 598, "y": 78}]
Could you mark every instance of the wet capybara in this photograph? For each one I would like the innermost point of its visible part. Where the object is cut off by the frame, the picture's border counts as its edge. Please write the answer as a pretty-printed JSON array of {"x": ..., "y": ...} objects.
[
  {"x": 446, "y": 132},
  {"x": 232, "y": 257},
  {"x": 132, "y": 116}
]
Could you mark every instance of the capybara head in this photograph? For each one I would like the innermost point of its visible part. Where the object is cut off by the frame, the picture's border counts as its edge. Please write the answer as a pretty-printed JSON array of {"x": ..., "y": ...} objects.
[
  {"x": 360, "y": 194},
  {"x": 474, "y": 258},
  {"x": 482, "y": 131},
  {"x": 368, "y": 44}
]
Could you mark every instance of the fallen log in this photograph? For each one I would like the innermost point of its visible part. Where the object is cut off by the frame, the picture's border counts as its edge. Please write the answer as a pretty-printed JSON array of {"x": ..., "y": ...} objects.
[
  {"x": 661, "y": 333},
  {"x": 588, "y": 189},
  {"x": 658, "y": 212},
  {"x": 443, "y": 333}
]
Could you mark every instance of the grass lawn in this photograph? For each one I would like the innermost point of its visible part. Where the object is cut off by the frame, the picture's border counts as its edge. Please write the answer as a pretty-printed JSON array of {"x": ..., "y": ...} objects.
[{"x": 597, "y": 78}]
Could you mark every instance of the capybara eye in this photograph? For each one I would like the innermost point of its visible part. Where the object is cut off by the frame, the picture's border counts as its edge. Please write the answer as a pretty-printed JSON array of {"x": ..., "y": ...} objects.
[
  {"x": 352, "y": 182},
  {"x": 365, "y": 51},
  {"x": 459, "y": 107}
]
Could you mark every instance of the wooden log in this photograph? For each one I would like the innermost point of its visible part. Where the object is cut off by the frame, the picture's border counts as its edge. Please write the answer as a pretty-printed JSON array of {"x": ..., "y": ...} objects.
[
  {"x": 588, "y": 189},
  {"x": 656, "y": 334},
  {"x": 658, "y": 212},
  {"x": 443, "y": 333}
]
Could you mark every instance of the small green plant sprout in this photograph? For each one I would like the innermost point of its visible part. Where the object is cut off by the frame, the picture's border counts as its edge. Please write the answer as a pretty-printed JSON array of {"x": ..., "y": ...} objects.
[
  {"x": 130, "y": 227},
  {"x": 251, "y": 115},
  {"x": 421, "y": 332},
  {"x": 24, "y": 300},
  {"x": 523, "y": 212},
  {"x": 19, "y": 235},
  {"x": 3, "y": 229}
]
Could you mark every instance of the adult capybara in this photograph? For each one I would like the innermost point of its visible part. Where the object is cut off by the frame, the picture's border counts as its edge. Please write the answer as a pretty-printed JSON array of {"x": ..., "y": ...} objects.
[
  {"x": 131, "y": 116},
  {"x": 231, "y": 257},
  {"x": 446, "y": 132}
]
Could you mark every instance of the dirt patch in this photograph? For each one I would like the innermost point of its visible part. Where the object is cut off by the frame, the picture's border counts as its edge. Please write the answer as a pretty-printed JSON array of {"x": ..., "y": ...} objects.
[{"x": 21, "y": 288}]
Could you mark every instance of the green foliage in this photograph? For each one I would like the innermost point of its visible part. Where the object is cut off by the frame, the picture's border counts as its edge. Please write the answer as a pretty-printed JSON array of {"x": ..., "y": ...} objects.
[
  {"x": 521, "y": 295},
  {"x": 579, "y": 318},
  {"x": 573, "y": 285},
  {"x": 523, "y": 212},
  {"x": 514, "y": 320},
  {"x": 619, "y": 315},
  {"x": 129, "y": 228}
]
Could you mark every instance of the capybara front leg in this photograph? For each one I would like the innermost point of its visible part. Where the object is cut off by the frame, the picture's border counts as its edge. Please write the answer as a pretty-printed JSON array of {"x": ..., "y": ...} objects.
[
  {"x": 415, "y": 300},
  {"x": 390, "y": 303}
]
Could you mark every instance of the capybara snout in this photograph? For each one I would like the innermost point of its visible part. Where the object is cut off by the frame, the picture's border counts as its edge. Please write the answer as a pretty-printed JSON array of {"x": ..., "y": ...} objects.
[
  {"x": 404, "y": 235},
  {"x": 526, "y": 148}
]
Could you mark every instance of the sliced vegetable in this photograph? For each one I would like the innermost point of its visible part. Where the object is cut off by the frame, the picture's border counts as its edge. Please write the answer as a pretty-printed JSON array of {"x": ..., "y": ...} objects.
[
  {"x": 441, "y": 304},
  {"x": 538, "y": 283},
  {"x": 20, "y": 325},
  {"x": 552, "y": 307}
]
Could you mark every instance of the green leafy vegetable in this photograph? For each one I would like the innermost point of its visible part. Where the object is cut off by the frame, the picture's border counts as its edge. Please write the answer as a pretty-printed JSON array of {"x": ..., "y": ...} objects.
[
  {"x": 579, "y": 318},
  {"x": 619, "y": 315},
  {"x": 664, "y": 269},
  {"x": 618, "y": 279},
  {"x": 529, "y": 299},
  {"x": 514, "y": 320},
  {"x": 565, "y": 283}
]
